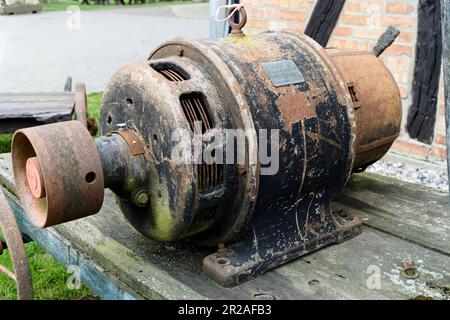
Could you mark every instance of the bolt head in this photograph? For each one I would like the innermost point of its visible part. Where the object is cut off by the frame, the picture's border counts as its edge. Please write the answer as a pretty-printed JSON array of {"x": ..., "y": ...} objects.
[{"x": 141, "y": 198}]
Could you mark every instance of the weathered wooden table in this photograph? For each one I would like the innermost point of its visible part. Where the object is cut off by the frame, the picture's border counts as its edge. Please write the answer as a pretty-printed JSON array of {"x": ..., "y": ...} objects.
[
  {"x": 401, "y": 220},
  {"x": 21, "y": 110}
]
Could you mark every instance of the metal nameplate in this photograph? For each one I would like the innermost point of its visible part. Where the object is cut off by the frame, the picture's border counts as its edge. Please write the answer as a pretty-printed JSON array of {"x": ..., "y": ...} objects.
[{"x": 283, "y": 73}]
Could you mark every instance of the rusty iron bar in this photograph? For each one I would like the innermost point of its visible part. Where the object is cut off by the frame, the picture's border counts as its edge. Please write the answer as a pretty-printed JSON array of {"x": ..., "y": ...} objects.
[
  {"x": 445, "y": 11},
  {"x": 16, "y": 249},
  {"x": 8, "y": 272},
  {"x": 81, "y": 103}
]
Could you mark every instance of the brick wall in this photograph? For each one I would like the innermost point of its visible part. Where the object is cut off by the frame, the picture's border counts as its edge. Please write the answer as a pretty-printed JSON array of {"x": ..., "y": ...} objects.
[{"x": 360, "y": 25}]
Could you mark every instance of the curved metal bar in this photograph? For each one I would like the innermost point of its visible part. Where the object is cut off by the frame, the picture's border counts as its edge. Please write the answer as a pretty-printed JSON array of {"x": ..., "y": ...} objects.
[{"x": 13, "y": 237}]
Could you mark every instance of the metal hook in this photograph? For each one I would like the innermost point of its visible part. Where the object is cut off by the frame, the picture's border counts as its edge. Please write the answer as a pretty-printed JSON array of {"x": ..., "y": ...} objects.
[{"x": 236, "y": 28}]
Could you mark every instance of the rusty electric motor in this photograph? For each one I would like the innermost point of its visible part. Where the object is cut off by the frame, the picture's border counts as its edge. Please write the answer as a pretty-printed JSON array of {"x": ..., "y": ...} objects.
[{"x": 333, "y": 113}]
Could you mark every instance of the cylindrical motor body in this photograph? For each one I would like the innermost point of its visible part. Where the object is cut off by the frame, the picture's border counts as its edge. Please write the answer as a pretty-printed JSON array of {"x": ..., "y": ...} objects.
[{"x": 280, "y": 83}]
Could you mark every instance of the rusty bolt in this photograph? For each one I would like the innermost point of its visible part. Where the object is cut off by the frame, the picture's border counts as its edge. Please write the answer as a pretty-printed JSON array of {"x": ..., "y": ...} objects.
[
  {"x": 408, "y": 264},
  {"x": 180, "y": 51},
  {"x": 141, "y": 199},
  {"x": 241, "y": 169},
  {"x": 409, "y": 269},
  {"x": 222, "y": 250}
]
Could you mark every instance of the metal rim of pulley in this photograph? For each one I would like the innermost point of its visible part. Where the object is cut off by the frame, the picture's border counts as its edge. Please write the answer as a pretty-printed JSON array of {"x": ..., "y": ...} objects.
[{"x": 13, "y": 242}]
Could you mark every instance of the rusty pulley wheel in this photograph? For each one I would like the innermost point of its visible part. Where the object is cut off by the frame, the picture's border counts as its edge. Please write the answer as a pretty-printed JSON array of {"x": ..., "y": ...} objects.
[{"x": 14, "y": 243}]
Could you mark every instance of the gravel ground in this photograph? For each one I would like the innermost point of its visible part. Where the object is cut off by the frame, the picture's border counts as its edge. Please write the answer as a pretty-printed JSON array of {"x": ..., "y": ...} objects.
[{"x": 414, "y": 174}]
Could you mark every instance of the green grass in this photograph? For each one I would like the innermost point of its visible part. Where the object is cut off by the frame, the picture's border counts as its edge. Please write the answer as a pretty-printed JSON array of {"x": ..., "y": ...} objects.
[
  {"x": 5, "y": 143},
  {"x": 49, "y": 276},
  {"x": 64, "y": 4}
]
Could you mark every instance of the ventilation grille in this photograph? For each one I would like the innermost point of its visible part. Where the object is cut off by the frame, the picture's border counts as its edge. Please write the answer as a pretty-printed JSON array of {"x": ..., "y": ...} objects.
[
  {"x": 196, "y": 112},
  {"x": 171, "y": 72},
  {"x": 208, "y": 176}
]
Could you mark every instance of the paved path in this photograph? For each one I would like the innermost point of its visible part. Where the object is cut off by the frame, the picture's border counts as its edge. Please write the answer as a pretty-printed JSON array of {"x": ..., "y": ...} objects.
[{"x": 37, "y": 52}]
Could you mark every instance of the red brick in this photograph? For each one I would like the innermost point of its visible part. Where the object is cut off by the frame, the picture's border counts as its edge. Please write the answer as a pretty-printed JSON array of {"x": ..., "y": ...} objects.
[
  {"x": 354, "y": 19},
  {"x": 294, "y": 15},
  {"x": 440, "y": 139},
  {"x": 401, "y": 22},
  {"x": 363, "y": 6},
  {"x": 398, "y": 50},
  {"x": 342, "y": 31},
  {"x": 439, "y": 152},
  {"x": 412, "y": 147},
  {"x": 405, "y": 36},
  {"x": 257, "y": 24},
  {"x": 402, "y": 8}
]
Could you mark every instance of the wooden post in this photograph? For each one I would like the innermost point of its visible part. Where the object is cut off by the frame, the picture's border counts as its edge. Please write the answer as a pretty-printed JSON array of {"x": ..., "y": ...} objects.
[
  {"x": 323, "y": 20},
  {"x": 445, "y": 9}
]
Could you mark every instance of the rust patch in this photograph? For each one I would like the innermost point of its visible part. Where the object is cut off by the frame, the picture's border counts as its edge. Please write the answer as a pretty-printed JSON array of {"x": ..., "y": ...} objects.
[
  {"x": 133, "y": 141},
  {"x": 294, "y": 107}
]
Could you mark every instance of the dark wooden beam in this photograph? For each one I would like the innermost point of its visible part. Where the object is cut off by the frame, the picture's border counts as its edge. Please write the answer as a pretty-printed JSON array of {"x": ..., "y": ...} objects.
[
  {"x": 323, "y": 20},
  {"x": 422, "y": 112},
  {"x": 445, "y": 10}
]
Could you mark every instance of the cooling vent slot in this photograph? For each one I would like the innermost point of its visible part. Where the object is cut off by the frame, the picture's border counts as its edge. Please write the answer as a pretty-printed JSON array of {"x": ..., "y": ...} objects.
[
  {"x": 195, "y": 109},
  {"x": 171, "y": 71},
  {"x": 209, "y": 176}
]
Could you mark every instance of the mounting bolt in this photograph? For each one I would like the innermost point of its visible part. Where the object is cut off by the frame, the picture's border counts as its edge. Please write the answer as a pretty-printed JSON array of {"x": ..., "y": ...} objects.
[
  {"x": 222, "y": 250},
  {"x": 409, "y": 269},
  {"x": 141, "y": 198},
  {"x": 180, "y": 51},
  {"x": 241, "y": 169}
]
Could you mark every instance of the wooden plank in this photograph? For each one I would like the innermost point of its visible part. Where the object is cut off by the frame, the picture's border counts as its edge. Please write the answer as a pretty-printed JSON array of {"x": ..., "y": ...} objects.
[
  {"x": 323, "y": 20},
  {"x": 101, "y": 282},
  {"x": 422, "y": 113},
  {"x": 173, "y": 271},
  {"x": 31, "y": 109},
  {"x": 411, "y": 212},
  {"x": 20, "y": 8}
]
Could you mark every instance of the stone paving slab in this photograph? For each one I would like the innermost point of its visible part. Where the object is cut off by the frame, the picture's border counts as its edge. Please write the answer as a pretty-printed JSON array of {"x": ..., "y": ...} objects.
[{"x": 37, "y": 52}]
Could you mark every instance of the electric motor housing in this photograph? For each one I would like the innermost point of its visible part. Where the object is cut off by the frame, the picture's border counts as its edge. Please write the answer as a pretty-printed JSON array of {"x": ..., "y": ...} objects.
[{"x": 320, "y": 115}]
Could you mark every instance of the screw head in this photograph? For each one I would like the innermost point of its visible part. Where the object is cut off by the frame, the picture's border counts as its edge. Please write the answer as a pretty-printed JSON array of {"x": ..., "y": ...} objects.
[
  {"x": 141, "y": 199},
  {"x": 180, "y": 51}
]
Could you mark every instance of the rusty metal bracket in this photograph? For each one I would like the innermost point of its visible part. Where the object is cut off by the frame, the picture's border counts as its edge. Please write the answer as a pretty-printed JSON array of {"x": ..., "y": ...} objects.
[
  {"x": 81, "y": 109},
  {"x": 13, "y": 239},
  {"x": 133, "y": 141}
]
